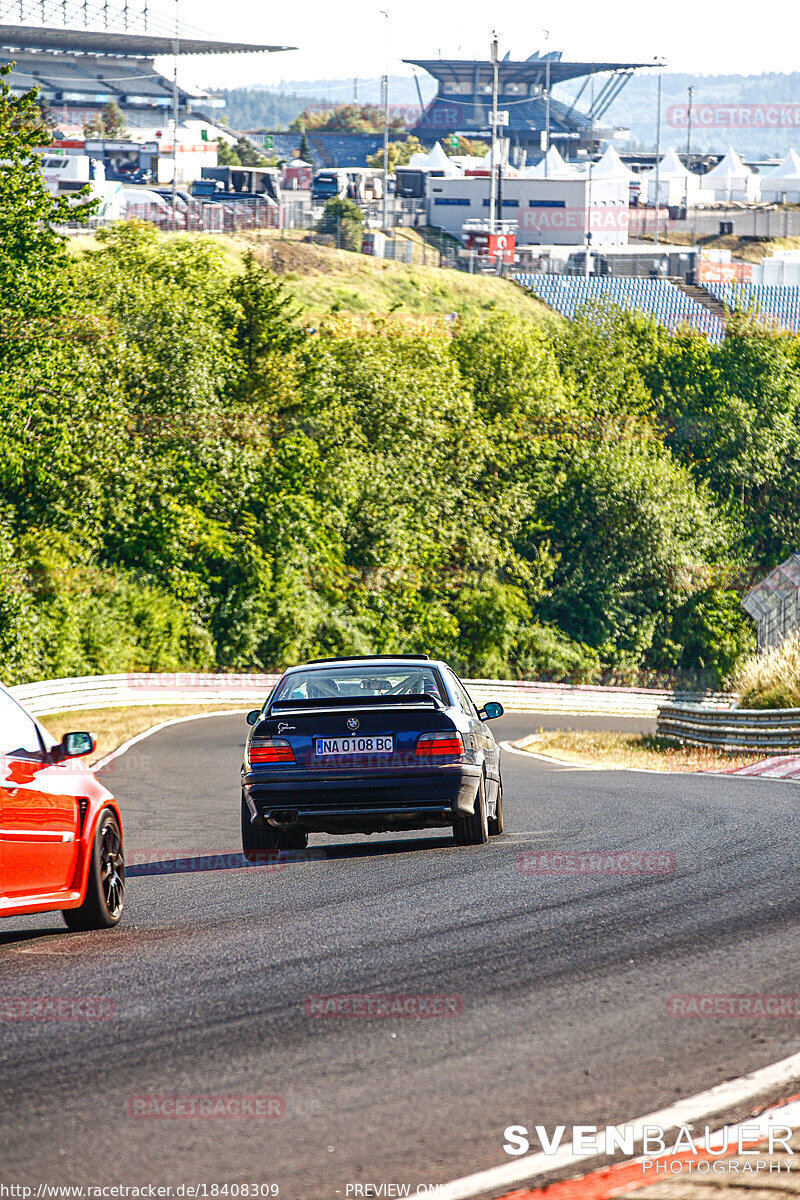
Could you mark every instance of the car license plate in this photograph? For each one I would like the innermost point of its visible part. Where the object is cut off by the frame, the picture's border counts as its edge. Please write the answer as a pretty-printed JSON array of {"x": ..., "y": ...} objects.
[{"x": 327, "y": 747}]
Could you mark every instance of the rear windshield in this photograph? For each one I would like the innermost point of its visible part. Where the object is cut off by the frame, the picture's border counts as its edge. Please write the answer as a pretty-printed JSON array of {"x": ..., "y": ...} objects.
[{"x": 325, "y": 683}]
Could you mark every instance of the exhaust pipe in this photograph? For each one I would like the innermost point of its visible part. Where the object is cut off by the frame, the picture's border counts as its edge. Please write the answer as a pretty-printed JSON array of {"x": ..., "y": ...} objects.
[{"x": 281, "y": 817}]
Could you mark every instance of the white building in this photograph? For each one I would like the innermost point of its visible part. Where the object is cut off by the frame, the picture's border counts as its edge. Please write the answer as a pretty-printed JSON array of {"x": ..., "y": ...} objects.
[
  {"x": 548, "y": 212},
  {"x": 781, "y": 268}
]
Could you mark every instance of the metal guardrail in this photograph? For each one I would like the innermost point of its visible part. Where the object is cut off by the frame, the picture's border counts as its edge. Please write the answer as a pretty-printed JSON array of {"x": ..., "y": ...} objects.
[
  {"x": 590, "y": 699},
  {"x": 136, "y": 690},
  {"x": 731, "y": 729},
  {"x": 118, "y": 691}
]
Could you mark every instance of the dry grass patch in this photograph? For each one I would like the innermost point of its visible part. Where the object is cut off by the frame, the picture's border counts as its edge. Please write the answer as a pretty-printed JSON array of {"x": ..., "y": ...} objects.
[
  {"x": 113, "y": 726},
  {"x": 771, "y": 680},
  {"x": 610, "y": 749}
]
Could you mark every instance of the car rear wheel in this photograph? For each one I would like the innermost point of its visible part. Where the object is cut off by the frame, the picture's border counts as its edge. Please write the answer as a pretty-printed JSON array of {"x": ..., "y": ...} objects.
[
  {"x": 474, "y": 829},
  {"x": 258, "y": 840},
  {"x": 105, "y": 886},
  {"x": 496, "y": 822}
]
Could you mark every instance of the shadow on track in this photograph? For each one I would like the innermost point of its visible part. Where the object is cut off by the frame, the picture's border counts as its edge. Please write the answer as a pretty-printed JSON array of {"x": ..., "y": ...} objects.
[
  {"x": 230, "y": 860},
  {"x": 29, "y": 935}
]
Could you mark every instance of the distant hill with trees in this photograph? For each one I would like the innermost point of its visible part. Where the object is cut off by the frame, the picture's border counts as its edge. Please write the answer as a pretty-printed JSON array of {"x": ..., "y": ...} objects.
[{"x": 634, "y": 109}]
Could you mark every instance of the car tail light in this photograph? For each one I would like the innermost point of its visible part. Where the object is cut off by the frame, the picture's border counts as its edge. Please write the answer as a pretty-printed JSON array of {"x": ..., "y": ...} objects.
[
  {"x": 270, "y": 750},
  {"x": 440, "y": 745}
]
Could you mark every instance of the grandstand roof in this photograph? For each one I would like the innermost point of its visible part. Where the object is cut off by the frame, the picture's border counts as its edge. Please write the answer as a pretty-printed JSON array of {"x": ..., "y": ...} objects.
[
  {"x": 462, "y": 71},
  {"x": 144, "y": 45}
]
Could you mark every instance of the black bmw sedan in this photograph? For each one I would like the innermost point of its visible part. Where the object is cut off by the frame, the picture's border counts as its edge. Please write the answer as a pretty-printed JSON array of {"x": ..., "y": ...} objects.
[{"x": 369, "y": 745}]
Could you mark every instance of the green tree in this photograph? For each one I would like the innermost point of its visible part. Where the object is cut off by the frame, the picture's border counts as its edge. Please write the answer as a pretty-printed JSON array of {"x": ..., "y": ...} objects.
[
  {"x": 45, "y": 377},
  {"x": 465, "y": 146},
  {"x": 227, "y": 155},
  {"x": 346, "y": 118},
  {"x": 399, "y": 153},
  {"x": 634, "y": 538},
  {"x": 248, "y": 155},
  {"x": 108, "y": 123},
  {"x": 265, "y": 327},
  {"x": 732, "y": 413},
  {"x": 342, "y": 220}
]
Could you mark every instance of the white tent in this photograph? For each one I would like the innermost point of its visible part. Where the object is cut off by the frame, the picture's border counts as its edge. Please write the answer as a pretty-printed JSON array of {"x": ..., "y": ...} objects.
[
  {"x": 731, "y": 179},
  {"x": 467, "y": 162},
  {"x": 611, "y": 166},
  {"x": 485, "y": 164},
  {"x": 552, "y": 166},
  {"x": 784, "y": 180},
  {"x": 435, "y": 160},
  {"x": 676, "y": 185}
]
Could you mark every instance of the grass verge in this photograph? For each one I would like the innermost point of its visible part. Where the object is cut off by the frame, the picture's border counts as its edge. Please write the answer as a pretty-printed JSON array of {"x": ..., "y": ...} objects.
[
  {"x": 772, "y": 680},
  {"x": 113, "y": 726},
  {"x": 610, "y": 749},
  {"x": 323, "y": 279},
  {"x": 326, "y": 280}
]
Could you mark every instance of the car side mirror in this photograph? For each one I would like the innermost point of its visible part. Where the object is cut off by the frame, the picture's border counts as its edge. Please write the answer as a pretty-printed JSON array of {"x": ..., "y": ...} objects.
[
  {"x": 491, "y": 711},
  {"x": 253, "y": 716},
  {"x": 76, "y": 745}
]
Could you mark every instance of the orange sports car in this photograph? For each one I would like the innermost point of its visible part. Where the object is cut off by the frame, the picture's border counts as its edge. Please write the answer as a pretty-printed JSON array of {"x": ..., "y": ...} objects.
[{"x": 61, "y": 846}]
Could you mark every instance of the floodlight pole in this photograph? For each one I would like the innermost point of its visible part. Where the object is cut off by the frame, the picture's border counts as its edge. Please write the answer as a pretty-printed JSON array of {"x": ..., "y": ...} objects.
[
  {"x": 660, "y": 64},
  {"x": 688, "y": 146},
  {"x": 385, "y": 86},
  {"x": 547, "y": 101},
  {"x": 493, "y": 159},
  {"x": 177, "y": 50},
  {"x": 587, "y": 258}
]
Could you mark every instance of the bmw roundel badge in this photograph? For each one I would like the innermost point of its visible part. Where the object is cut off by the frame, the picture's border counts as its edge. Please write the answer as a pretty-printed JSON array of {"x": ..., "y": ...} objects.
[{"x": 353, "y": 722}]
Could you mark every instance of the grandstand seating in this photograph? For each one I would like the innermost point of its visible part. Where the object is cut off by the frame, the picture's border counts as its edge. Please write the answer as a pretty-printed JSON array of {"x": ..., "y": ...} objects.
[
  {"x": 670, "y": 306},
  {"x": 776, "y": 304},
  {"x": 329, "y": 149},
  {"x": 89, "y": 77}
]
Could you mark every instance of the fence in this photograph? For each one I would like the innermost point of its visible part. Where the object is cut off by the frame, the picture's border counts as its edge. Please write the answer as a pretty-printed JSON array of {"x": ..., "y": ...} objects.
[
  {"x": 756, "y": 222},
  {"x": 217, "y": 217},
  {"x": 731, "y": 729},
  {"x": 118, "y": 691}
]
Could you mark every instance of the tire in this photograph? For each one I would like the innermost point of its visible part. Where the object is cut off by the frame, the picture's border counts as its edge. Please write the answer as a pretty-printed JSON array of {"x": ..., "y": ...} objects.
[
  {"x": 474, "y": 829},
  {"x": 105, "y": 886},
  {"x": 496, "y": 822},
  {"x": 260, "y": 842}
]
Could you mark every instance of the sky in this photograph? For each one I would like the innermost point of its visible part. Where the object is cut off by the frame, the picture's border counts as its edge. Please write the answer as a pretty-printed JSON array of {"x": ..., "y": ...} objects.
[{"x": 342, "y": 40}]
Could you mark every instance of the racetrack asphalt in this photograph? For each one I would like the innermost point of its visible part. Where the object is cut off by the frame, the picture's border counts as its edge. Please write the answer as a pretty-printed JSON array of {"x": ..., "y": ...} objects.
[{"x": 561, "y": 983}]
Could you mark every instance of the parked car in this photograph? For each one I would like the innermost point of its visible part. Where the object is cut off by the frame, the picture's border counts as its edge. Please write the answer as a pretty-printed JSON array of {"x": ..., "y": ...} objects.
[
  {"x": 365, "y": 745},
  {"x": 61, "y": 842}
]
